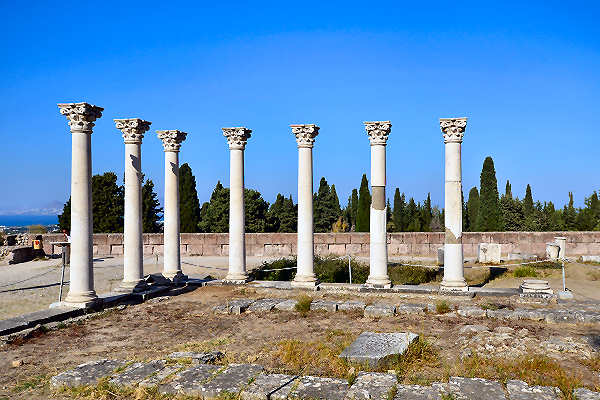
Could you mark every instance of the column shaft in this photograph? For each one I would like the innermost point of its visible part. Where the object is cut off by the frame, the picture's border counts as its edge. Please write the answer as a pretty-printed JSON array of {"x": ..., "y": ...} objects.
[
  {"x": 305, "y": 217},
  {"x": 81, "y": 286},
  {"x": 172, "y": 256},
  {"x": 133, "y": 272},
  {"x": 237, "y": 242}
]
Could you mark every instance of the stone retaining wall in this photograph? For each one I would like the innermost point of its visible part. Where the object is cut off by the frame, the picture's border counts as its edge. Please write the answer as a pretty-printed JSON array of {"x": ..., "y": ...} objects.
[{"x": 421, "y": 244}]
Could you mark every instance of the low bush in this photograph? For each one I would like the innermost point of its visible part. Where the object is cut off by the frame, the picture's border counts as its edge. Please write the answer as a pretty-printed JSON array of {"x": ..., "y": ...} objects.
[
  {"x": 411, "y": 275},
  {"x": 525, "y": 271}
]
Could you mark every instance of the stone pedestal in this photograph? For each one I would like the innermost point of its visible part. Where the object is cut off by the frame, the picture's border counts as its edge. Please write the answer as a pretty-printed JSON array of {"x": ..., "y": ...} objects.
[
  {"x": 133, "y": 130},
  {"x": 172, "y": 140},
  {"x": 488, "y": 253},
  {"x": 453, "y": 130},
  {"x": 536, "y": 286},
  {"x": 236, "y": 138},
  {"x": 378, "y": 132},
  {"x": 81, "y": 117},
  {"x": 552, "y": 251},
  {"x": 305, "y": 138},
  {"x": 562, "y": 244}
]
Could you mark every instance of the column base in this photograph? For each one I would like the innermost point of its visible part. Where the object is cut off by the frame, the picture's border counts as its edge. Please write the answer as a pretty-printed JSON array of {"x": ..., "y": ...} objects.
[
  {"x": 236, "y": 279},
  {"x": 305, "y": 281},
  {"x": 81, "y": 300},
  {"x": 132, "y": 287},
  {"x": 175, "y": 277},
  {"x": 454, "y": 286},
  {"x": 382, "y": 282}
]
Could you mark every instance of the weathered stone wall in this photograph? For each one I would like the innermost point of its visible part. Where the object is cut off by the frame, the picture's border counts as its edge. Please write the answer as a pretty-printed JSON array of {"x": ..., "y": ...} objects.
[{"x": 422, "y": 244}]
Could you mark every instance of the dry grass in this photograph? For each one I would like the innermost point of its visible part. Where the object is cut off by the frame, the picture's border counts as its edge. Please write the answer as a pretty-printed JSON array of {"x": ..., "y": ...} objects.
[
  {"x": 593, "y": 363},
  {"x": 421, "y": 355},
  {"x": 594, "y": 275},
  {"x": 303, "y": 305},
  {"x": 442, "y": 307}
]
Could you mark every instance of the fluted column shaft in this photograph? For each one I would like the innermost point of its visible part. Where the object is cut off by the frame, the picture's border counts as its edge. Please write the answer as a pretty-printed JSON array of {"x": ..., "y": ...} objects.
[
  {"x": 133, "y": 263},
  {"x": 81, "y": 118},
  {"x": 453, "y": 130},
  {"x": 172, "y": 256},
  {"x": 305, "y": 137},
  {"x": 378, "y": 132},
  {"x": 236, "y": 138}
]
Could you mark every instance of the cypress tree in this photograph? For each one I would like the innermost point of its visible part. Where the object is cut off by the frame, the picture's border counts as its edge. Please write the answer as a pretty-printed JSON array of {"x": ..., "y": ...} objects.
[
  {"x": 508, "y": 190},
  {"x": 354, "y": 207},
  {"x": 528, "y": 202},
  {"x": 473, "y": 209},
  {"x": 108, "y": 203},
  {"x": 215, "y": 212},
  {"x": 489, "y": 216},
  {"x": 426, "y": 214},
  {"x": 150, "y": 208},
  {"x": 570, "y": 215},
  {"x": 398, "y": 213},
  {"x": 364, "y": 205},
  {"x": 282, "y": 215},
  {"x": 64, "y": 219},
  {"x": 189, "y": 206},
  {"x": 412, "y": 216}
]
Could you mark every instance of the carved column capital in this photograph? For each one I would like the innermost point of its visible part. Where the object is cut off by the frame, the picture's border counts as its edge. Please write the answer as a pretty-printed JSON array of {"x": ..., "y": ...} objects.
[
  {"x": 81, "y": 116},
  {"x": 378, "y": 131},
  {"x": 453, "y": 129},
  {"x": 237, "y": 137},
  {"x": 171, "y": 139},
  {"x": 305, "y": 134},
  {"x": 133, "y": 129}
]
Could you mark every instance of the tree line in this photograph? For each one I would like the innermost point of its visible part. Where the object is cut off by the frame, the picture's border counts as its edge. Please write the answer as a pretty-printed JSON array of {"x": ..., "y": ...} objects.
[{"x": 484, "y": 210}]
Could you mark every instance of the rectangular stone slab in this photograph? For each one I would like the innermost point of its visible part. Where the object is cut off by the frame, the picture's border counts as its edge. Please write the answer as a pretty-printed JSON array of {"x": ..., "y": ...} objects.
[
  {"x": 323, "y": 305},
  {"x": 380, "y": 310},
  {"x": 287, "y": 305},
  {"x": 519, "y": 390},
  {"x": 265, "y": 385},
  {"x": 586, "y": 394},
  {"x": 190, "y": 381},
  {"x": 475, "y": 389},
  {"x": 374, "y": 349},
  {"x": 264, "y": 305},
  {"x": 352, "y": 306},
  {"x": 160, "y": 376},
  {"x": 372, "y": 385},
  {"x": 312, "y": 387},
  {"x": 230, "y": 381},
  {"x": 87, "y": 374},
  {"x": 416, "y": 392},
  {"x": 137, "y": 372}
]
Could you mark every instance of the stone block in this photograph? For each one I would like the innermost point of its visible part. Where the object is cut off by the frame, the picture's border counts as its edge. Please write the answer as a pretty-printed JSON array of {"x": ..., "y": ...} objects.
[
  {"x": 380, "y": 310},
  {"x": 272, "y": 387},
  {"x": 375, "y": 349},
  {"x": 440, "y": 256},
  {"x": 195, "y": 249},
  {"x": 238, "y": 306},
  {"x": 360, "y": 238},
  {"x": 221, "y": 238},
  {"x": 231, "y": 381},
  {"x": 343, "y": 238},
  {"x": 471, "y": 312},
  {"x": 190, "y": 381},
  {"x": 590, "y": 259},
  {"x": 224, "y": 249},
  {"x": 211, "y": 250},
  {"x": 160, "y": 376},
  {"x": 488, "y": 253},
  {"x": 474, "y": 389},
  {"x": 372, "y": 386},
  {"x": 264, "y": 305},
  {"x": 116, "y": 249},
  {"x": 313, "y": 387},
  {"x": 197, "y": 358},
  {"x": 154, "y": 238},
  {"x": 148, "y": 249},
  {"x": 501, "y": 314},
  {"x": 114, "y": 238},
  {"x": 519, "y": 390},
  {"x": 413, "y": 309},
  {"x": 338, "y": 249},
  {"x": 158, "y": 249},
  {"x": 586, "y": 394},
  {"x": 287, "y": 305},
  {"x": 255, "y": 250},
  {"x": 87, "y": 374},
  {"x": 98, "y": 238},
  {"x": 353, "y": 248},
  {"x": 417, "y": 392},
  {"x": 365, "y": 250},
  {"x": 137, "y": 372},
  {"x": 321, "y": 249},
  {"x": 102, "y": 250},
  {"x": 323, "y": 305},
  {"x": 351, "y": 306}
]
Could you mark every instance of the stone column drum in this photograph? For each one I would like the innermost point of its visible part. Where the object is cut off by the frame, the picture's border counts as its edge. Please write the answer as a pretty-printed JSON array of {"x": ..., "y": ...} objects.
[
  {"x": 305, "y": 138},
  {"x": 378, "y": 132},
  {"x": 81, "y": 118},
  {"x": 236, "y": 138},
  {"x": 172, "y": 140},
  {"x": 453, "y": 130},
  {"x": 133, "y": 130}
]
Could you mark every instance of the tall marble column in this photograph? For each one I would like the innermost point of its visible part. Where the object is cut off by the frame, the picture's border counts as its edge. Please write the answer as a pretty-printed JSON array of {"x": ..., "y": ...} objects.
[
  {"x": 236, "y": 138},
  {"x": 378, "y": 132},
  {"x": 81, "y": 118},
  {"x": 453, "y": 130},
  {"x": 133, "y": 130},
  {"x": 172, "y": 140},
  {"x": 305, "y": 137}
]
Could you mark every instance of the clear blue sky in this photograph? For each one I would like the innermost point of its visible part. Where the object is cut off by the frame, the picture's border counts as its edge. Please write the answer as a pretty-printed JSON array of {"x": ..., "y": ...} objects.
[{"x": 527, "y": 74}]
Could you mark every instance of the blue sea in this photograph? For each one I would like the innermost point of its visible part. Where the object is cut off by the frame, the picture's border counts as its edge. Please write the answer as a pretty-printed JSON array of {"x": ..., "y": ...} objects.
[{"x": 26, "y": 220}]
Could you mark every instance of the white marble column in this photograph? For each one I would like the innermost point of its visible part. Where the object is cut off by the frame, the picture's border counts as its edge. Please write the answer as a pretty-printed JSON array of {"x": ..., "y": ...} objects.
[
  {"x": 378, "y": 132},
  {"x": 305, "y": 137},
  {"x": 172, "y": 140},
  {"x": 81, "y": 118},
  {"x": 453, "y": 130},
  {"x": 236, "y": 138},
  {"x": 133, "y": 130}
]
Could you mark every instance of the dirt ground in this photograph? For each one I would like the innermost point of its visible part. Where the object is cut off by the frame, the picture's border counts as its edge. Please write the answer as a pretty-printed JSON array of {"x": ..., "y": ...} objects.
[{"x": 307, "y": 343}]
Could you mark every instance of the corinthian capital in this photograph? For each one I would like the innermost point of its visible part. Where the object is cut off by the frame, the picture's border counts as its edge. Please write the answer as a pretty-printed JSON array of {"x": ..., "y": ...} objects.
[
  {"x": 133, "y": 129},
  {"x": 453, "y": 129},
  {"x": 81, "y": 116},
  {"x": 378, "y": 131},
  {"x": 237, "y": 137},
  {"x": 305, "y": 134},
  {"x": 171, "y": 139}
]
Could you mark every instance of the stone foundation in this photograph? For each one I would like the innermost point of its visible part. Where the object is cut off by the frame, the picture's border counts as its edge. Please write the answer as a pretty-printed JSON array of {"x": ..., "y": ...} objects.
[{"x": 417, "y": 244}]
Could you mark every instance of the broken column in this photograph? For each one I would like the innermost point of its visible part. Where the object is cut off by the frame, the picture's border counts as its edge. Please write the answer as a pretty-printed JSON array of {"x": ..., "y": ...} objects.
[
  {"x": 453, "y": 130},
  {"x": 172, "y": 140},
  {"x": 378, "y": 132},
  {"x": 236, "y": 138},
  {"x": 133, "y": 130},
  {"x": 305, "y": 138},
  {"x": 81, "y": 118}
]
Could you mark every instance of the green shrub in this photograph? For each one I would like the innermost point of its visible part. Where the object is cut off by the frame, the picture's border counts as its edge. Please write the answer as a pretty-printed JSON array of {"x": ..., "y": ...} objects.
[
  {"x": 410, "y": 275},
  {"x": 442, "y": 307},
  {"x": 303, "y": 304},
  {"x": 525, "y": 271},
  {"x": 283, "y": 275}
]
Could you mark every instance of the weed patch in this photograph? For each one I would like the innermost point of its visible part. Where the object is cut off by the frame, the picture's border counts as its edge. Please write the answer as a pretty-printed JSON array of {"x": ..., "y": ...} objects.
[
  {"x": 525, "y": 271},
  {"x": 303, "y": 304},
  {"x": 442, "y": 307}
]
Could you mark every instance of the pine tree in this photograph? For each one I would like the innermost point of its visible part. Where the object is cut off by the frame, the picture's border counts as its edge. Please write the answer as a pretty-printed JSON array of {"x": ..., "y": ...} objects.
[
  {"x": 108, "y": 203},
  {"x": 489, "y": 216},
  {"x": 150, "y": 208},
  {"x": 256, "y": 211},
  {"x": 570, "y": 215},
  {"x": 512, "y": 214},
  {"x": 426, "y": 214},
  {"x": 326, "y": 207},
  {"x": 472, "y": 209},
  {"x": 282, "y": 215},
  {"x": 364, "y": 206},
  {"x": 412, "y": 216},
  {"x": 398, "y": 213},
  {"x": 189, "y": 206},
  {"x": 215, "y": 213},
  {"x": 64, "y": 219}
]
